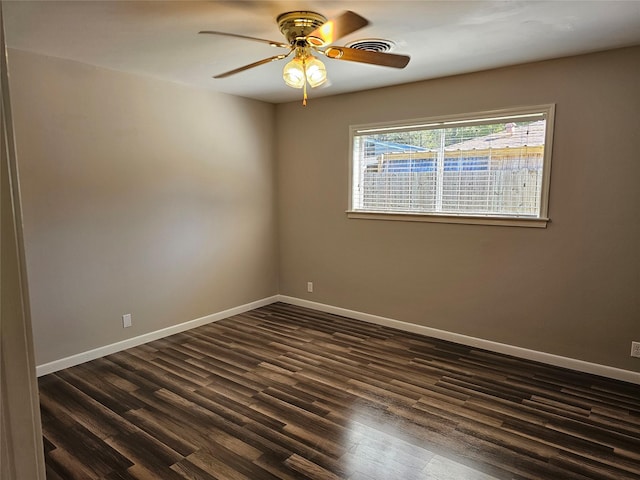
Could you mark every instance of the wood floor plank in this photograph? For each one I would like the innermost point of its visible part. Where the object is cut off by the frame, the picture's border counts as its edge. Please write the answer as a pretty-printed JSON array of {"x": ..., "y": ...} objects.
[
  {"x": 286, "y": 393},
  {"x": 275, "y": 465},
  {"x": 163, "y": 429},
  {"x": 75, "y": 445},
  {"x": 309, "y": 469},
  {"x": 192, "y": 472},
  {"x": 68, "y": 464},
  {"x": 147, "y": 452}
]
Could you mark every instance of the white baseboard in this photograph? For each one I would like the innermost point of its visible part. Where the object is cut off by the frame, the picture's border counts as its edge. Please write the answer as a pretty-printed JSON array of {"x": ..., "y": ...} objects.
[
  {"x": 147, "y": 337},
  {"x": 542, "y": 357}
]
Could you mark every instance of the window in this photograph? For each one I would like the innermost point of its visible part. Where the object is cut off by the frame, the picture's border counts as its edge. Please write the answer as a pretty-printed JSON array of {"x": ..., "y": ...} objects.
[{"x": 490, "y": 167}]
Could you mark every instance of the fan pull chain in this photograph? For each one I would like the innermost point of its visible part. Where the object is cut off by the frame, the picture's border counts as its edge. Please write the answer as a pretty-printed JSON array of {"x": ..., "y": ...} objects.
[{"x": 304, "y": 87}]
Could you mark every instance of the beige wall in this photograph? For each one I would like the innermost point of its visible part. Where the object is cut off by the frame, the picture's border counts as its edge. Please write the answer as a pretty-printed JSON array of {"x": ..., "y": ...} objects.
[
  {"x": 571, "y": 289},
  {"x": 140, "y": 196}
]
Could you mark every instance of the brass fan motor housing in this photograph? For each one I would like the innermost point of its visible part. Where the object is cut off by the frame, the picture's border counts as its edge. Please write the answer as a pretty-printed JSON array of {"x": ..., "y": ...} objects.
[{"x": 296, "y": 26}]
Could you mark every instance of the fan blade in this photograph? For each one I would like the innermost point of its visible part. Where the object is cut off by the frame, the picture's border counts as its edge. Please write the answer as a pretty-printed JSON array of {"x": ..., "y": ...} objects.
[
  {"x": 254, "y": 64},
  {"x": 366, "y": 56},
  {"x": 270, "y": 42},
  {"x": 337, "y": 28}
]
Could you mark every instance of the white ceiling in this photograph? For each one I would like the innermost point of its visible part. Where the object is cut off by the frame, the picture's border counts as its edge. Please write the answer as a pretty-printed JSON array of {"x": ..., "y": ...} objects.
[{"x": 159, "y": 38}]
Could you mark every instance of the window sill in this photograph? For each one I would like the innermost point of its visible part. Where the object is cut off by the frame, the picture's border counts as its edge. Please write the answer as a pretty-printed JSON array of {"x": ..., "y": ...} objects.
[{"x": 460, "y": 219}]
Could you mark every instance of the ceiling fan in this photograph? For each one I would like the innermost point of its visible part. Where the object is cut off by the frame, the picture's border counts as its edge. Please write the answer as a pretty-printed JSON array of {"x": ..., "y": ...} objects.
[{"x": 308, "y": 32}]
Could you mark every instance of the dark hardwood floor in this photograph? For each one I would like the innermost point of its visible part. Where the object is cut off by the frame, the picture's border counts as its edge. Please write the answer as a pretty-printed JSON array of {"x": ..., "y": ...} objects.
[{"x": 283, "y": 392}]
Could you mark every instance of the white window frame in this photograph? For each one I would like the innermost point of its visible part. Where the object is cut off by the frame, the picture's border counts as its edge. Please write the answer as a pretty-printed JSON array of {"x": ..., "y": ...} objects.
[{"x": 539, "y": 221}]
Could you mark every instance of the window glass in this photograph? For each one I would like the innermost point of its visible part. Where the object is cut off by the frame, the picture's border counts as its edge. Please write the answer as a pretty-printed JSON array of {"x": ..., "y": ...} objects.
[{"x": 472, "y": 165}]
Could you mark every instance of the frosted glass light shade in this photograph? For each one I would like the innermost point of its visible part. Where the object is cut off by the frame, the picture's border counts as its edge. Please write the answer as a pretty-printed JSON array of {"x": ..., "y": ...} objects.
[
  {"x": 293, "y": 73},
  {"x": 316, "y": 72}
]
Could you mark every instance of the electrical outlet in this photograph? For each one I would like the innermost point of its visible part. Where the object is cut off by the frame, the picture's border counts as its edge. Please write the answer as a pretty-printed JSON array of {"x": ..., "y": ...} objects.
[
  {"x": 635, "y": 349},
  {"x": 310, "y": 287},
  {"x": 126, "y": 320}
]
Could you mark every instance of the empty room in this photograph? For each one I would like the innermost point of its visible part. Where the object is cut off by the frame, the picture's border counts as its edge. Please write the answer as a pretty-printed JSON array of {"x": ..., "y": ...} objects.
[{"x": 363, "y": 240}]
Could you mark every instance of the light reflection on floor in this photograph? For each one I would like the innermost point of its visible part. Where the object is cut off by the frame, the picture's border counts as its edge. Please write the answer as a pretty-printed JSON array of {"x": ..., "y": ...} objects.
[
  {"x": 380, "y": 453},
  {"x": 440, "y": 468}
]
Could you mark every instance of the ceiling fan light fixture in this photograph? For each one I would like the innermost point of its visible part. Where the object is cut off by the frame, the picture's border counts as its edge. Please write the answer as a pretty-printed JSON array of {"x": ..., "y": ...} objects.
[
  {"x": 316, "y": 72},
  {"x": 302, "y": 69},
  {"x": 293, "y": 73}
]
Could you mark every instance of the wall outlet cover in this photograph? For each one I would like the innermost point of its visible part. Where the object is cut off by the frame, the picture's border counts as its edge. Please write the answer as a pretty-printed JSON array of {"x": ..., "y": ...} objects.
[{"x": 635, "y": 349}]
